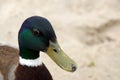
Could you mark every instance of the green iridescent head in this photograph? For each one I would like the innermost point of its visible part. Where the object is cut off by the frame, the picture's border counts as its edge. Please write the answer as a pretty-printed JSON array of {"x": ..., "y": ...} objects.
[{"x": 37, "y": 34}]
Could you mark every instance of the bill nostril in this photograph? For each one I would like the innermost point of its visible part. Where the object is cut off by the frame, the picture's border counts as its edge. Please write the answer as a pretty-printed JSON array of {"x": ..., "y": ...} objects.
[
  {"x": 73, "y": 67},
  {"x": 55, "y": 50}
]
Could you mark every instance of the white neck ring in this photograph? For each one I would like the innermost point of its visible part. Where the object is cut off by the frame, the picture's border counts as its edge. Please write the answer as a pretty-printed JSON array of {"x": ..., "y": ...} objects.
[{"x": 30, "y": 62}]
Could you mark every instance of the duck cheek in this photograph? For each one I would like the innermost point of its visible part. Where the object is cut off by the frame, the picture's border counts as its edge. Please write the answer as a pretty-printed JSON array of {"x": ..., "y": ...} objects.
[
  {"x": 43, "y": 44},
  {"x": 38, "y": 45},
  {"x": 43, "y": 47}
]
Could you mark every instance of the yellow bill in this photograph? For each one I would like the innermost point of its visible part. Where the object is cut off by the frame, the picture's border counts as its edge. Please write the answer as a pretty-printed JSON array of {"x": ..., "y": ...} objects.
[{"x": 60, "y": 58}]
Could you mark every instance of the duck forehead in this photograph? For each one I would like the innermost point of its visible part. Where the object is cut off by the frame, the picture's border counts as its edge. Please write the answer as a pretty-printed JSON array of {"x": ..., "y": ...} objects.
[{"x": 35, "y": 21}]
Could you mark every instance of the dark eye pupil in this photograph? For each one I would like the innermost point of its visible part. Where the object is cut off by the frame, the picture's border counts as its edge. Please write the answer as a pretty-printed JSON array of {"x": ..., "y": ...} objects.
[{"x": 36, "y": 32}]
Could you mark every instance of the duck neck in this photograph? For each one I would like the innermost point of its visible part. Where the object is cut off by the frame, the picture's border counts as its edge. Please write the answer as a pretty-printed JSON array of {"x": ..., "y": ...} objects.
[
  {"x": 28, "y": 53},
  {"x": 29, "y": 57}
]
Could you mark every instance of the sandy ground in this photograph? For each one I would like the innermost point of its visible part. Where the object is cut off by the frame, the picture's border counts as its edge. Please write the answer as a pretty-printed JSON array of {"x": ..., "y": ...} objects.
[{"x": 87, "y": 30}]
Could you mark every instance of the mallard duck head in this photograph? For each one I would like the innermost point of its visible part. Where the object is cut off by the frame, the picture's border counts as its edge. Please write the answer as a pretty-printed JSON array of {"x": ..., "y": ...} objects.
[{"x": 37, "y": 34}]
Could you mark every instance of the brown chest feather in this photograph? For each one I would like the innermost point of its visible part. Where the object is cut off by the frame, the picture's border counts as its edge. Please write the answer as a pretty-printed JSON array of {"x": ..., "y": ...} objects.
[{"x": 32, "y": 73}]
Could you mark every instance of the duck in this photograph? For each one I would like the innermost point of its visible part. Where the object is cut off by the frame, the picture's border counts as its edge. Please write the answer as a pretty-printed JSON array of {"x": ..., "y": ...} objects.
[{"x": 36, "y": 35}]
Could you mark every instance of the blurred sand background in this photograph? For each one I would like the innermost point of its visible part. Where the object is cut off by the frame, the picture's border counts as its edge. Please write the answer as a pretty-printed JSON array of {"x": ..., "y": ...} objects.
[{"x": 87, "y": 30}]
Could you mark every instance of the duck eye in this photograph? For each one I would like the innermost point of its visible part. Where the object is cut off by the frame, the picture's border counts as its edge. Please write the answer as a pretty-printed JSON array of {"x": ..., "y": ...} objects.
[{"x": 36, "y": 32}]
